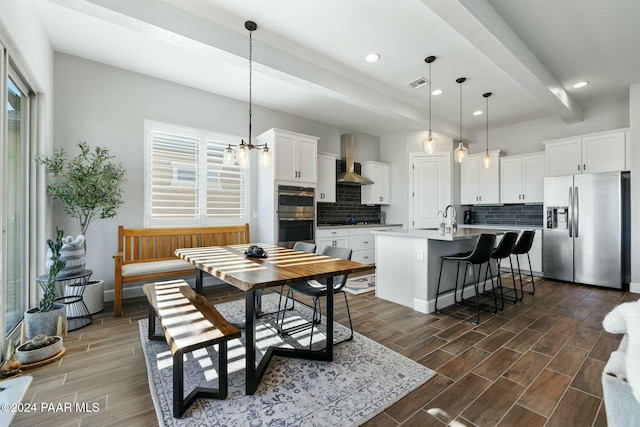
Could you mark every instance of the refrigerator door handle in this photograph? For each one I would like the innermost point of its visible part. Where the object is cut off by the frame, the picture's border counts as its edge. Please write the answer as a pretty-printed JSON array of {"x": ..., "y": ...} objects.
[
  {"x": 570, "y": 213},
  {"x": 576, "y": 209}
]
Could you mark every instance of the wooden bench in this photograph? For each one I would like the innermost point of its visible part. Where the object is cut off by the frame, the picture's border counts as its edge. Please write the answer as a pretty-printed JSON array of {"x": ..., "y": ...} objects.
[
  {"x": 190, "y": 323},
  {"x": 146, "y": 254}
]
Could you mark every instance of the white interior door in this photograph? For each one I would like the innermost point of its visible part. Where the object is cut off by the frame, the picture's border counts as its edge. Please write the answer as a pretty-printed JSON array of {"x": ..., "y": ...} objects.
[{"x": 430, "y": 188}]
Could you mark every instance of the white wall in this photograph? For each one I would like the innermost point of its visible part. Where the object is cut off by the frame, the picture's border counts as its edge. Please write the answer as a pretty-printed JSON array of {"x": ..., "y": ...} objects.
[
  {"x": 634, "y": 119},
  {"x": 107, "y": 106},
  {"x": 395, "y": 149}
]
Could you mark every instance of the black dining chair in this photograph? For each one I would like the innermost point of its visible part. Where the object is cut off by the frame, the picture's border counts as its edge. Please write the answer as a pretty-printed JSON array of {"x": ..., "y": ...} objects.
[
  {"x": 523, "y": 246},
  {"x": 301, "y": 247},
  {"x": 318, "y": 289},
  {"x": 480, "y": 255}
]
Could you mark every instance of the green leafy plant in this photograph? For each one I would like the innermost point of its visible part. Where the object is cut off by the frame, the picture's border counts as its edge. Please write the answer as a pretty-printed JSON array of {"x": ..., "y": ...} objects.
[
  {"x": 88, "y": 185},
  {"x": 48, "y": 299}
]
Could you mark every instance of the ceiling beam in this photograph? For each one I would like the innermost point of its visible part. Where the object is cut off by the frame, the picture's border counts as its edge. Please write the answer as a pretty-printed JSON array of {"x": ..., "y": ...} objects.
[{"x": 481, "y": 25}]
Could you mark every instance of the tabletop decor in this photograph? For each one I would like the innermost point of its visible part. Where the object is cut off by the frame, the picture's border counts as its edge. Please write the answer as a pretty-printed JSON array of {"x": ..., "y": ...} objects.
[{"x": 364, "y": 378}]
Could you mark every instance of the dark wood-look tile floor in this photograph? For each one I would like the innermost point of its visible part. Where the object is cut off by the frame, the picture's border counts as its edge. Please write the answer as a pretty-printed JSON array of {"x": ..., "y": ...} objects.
[{"x": 536, "y": 363}]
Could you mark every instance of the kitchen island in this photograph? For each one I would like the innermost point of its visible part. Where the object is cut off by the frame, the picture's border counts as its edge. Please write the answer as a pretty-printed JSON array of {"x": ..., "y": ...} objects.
[{"x": 408, "y": 264}]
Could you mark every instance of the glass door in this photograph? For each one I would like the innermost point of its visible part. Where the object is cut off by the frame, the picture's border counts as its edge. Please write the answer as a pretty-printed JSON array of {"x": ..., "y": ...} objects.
[{"x": 15, "y": 178}]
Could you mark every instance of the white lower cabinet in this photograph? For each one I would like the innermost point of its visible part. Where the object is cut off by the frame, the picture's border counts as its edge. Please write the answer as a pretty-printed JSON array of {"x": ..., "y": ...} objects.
[
  {"x": 358, "y": 239},
  {"x": 331, "y": 237}
]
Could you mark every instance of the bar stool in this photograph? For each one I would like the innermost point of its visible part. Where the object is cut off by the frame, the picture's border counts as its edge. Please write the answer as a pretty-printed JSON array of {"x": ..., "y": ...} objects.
[
  {"x": 481, "y": 254},
  {"x": 524, "y": 247},
  {"x": 504, "y": 250}
]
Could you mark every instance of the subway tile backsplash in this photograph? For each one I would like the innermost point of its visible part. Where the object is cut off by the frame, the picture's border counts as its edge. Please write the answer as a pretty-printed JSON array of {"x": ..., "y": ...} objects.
[
  {"x": 347, "y": 204},
  {"x": 521, "y": 215}
]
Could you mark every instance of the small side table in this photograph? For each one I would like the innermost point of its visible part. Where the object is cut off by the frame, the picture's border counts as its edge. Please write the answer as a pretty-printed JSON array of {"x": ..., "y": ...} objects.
[{"x": 69, "y": 291}]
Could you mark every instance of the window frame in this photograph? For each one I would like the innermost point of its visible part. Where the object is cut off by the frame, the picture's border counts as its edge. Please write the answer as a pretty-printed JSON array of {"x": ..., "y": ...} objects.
[{"x": 203, "y": 137}]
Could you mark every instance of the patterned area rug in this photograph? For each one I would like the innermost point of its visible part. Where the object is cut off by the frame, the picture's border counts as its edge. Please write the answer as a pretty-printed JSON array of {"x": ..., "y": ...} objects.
[
  {"x": 364, "y": 379},
  {"x": 361, "y": 284}
]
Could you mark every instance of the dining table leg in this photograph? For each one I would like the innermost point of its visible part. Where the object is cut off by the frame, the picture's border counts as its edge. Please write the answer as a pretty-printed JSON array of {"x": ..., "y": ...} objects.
[
  {"x": 199, "y": 278},
  {"x": 330, "y": 308},
  {"x": 250, "y": 344}
]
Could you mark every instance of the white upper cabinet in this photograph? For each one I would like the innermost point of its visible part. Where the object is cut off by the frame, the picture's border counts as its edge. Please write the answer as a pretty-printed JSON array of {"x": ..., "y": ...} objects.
[
  {"x": 378, "y": 192},
  {"x": 326, "y": 191},
  {"x": 598, "y": 152},
  {"x": 522, "y": 178},
  {"x": 478, "y": 185},
  {"x": 294, "y": 155}
]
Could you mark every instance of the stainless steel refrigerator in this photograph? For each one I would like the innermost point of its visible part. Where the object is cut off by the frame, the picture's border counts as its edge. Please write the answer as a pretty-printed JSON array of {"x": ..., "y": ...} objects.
[{"x": 586, "y": 236}]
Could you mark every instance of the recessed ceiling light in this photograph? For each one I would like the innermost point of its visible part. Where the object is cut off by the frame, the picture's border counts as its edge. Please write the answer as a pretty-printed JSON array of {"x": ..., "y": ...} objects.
[
  {"x": 437, "y": 92},
  {"x": 580, "y": 84},
  {"x": 372, "y": 57},
  {"x": 477, "y": 113}
]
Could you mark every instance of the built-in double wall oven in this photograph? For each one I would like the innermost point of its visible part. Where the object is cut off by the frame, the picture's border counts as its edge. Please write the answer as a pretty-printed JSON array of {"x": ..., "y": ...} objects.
[{"x": 296, "y": 215}]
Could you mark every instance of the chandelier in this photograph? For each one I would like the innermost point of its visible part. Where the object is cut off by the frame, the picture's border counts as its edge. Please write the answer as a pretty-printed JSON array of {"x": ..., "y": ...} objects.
[{"x": 240, "y": 154}]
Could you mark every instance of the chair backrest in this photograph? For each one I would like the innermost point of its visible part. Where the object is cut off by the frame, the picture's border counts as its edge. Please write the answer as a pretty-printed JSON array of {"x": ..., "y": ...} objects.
[
  {"x": 304, "y": 247},
  {"x": 483, "y": 250},
  {"x": 337, "y": 252},
  {"x": 525, "y": 242},
  {"x": 506, "y": 245}
]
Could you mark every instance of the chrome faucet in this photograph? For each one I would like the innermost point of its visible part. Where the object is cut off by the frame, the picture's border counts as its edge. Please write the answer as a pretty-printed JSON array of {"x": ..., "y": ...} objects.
[{"x": 453, "y": 224}]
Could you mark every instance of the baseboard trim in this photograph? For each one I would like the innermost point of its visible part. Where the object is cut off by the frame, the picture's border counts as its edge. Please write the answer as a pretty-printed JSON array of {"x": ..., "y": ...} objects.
[
  {"x": 634, "y": 287},
  {"x": 135, "y": 290}
]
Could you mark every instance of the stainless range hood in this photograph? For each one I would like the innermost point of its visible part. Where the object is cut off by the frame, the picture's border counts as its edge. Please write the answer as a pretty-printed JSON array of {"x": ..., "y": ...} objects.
[{"x": 349, "y": 176}]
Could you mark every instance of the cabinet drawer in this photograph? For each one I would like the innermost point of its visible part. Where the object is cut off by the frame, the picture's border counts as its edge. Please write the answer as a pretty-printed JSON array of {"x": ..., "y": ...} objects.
[
  {"x": 331, "y": 232},
  {"x": 362, "y": 242},
  {"x": 367, "y": 256}
]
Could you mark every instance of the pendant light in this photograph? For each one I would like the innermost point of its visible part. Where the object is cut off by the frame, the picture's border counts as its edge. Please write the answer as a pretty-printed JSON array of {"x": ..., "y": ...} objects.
[
  {"x": 241, "y": 154},
  {"x": 460, "y": 153},
  {"x": 430, "y": 144},
  {"x": 486, "y": 160}
]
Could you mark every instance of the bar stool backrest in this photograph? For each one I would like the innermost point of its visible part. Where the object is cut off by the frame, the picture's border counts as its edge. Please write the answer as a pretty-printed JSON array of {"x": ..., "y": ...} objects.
[
  {"x": 524, "y": 243},
  {"x": 506, "y": 245},
  {"x": 483, "y": 249}
]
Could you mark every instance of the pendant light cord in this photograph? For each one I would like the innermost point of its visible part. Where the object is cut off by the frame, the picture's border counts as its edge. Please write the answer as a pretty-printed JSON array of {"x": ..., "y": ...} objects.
[
  {"x": 430, "y": 98},
  {"x": 486, "y": 96},
  {"x": 250, "y": 80},
  {"x": 461, "y": 111}
]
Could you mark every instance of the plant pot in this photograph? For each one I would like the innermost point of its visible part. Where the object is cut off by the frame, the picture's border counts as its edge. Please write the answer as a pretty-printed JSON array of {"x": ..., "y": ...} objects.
[
  {"x": 31, "y": 356},
  {"x": 46, "y": 323},
  {"x": 93, "y": 295}
]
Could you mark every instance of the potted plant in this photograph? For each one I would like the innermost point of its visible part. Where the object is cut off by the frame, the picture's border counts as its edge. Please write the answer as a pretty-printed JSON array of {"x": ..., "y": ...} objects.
[
  {"x": 89, "y": 187},
  {"x": 44, "y": 318}
]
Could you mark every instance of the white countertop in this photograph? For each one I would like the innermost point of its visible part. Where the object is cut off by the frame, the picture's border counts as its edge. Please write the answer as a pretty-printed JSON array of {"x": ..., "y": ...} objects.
[
  {"x": 359, "y": 226},
  {"x": 435, "y": 234},
  {"x": 501, "y": 226}
]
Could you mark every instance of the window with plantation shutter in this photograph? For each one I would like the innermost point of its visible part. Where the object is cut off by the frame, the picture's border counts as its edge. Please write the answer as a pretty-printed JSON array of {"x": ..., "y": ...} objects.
[{"x": 186, "y": 180}]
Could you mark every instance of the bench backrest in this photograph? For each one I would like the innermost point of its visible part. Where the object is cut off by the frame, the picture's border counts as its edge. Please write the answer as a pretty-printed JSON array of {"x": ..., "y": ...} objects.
[{"x": 145, "y": 244}]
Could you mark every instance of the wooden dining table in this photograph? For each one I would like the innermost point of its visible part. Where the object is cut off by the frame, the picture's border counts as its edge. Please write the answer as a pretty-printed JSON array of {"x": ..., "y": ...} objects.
[{"x": 281, "y": 266}]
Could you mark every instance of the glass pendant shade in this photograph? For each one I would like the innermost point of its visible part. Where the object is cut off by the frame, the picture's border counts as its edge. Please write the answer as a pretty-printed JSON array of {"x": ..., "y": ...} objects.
[
  {"x": 243, "y": 155},
  {"x": 228, "y": 158},
  {"x": 486, "y": 161},
  {"x": 460, "y": 153},
  {"x": 265, "y": 158},
  {"x": 430, "y": 144}
]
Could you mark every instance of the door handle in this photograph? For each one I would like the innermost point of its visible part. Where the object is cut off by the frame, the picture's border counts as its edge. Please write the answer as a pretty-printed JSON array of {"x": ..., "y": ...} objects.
[
  {"x": 570, "y": 213},
  {"x": 576, "y": 211}
]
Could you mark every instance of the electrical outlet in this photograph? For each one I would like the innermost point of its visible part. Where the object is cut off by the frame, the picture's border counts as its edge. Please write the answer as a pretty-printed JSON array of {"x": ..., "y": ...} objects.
[{"x": 420, "y": 255}]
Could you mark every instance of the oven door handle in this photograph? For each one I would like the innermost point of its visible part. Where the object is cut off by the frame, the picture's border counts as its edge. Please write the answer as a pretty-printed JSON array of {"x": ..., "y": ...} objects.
[
  {"x": 281, "y": 193},
  {"x": 295, "y": 219}
]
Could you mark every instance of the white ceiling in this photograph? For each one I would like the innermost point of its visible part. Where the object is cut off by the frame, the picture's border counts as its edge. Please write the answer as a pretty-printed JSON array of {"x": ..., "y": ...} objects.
[{"x": 309, "y": 55}]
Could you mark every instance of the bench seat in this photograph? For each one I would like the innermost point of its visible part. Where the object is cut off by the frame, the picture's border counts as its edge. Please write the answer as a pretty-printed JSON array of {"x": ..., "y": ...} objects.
[
  {"x": 190, "y": 322},
  {"x": 147, "y": 254},
  {"x": 151, "y": 267}
]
